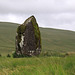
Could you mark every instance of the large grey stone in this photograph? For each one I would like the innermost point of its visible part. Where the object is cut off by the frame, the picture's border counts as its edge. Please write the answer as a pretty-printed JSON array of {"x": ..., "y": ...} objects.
[{"x": 28, "y": 38}]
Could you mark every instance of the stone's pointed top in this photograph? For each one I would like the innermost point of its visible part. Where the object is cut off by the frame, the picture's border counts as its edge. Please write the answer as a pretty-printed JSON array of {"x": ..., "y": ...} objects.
[
  {"x": 33, "y": 16},
  {"x": 29, "y": 20}
]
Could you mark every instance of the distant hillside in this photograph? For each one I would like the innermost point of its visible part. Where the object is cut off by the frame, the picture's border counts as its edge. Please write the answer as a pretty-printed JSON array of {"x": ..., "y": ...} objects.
[{"x": 52, "y": 39}]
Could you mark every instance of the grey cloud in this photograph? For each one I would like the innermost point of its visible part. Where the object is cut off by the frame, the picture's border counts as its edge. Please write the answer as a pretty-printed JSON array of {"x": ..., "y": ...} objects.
[
  {"x": 37, "y": 6},
  {"x": 49, "y": 13}
]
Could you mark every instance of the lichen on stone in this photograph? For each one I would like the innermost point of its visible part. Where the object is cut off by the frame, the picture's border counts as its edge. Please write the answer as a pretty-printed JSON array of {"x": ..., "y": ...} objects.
[
  {"x": 21, "y": 43},
  {"x": 20, "y": 31},
  {"x": 36, "y": 31}
]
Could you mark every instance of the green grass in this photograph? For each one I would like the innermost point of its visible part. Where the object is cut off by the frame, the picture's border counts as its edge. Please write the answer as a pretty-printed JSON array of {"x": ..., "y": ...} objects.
[
  {"x": 37, "y": 66},
  {"x": 52, "y": 39}
]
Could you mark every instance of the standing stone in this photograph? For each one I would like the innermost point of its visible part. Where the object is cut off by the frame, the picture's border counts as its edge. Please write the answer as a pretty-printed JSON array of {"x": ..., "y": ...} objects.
[{"x": 28, "y": 39}]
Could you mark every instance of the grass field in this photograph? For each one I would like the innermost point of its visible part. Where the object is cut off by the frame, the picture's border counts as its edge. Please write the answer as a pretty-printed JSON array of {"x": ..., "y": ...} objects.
[
  {"x": 38, "y": 66},
  {"x": 53, "y": 40}
]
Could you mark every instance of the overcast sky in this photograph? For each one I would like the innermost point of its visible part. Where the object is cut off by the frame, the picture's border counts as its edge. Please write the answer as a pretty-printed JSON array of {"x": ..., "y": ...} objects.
[{"x": 49, "y": 13}]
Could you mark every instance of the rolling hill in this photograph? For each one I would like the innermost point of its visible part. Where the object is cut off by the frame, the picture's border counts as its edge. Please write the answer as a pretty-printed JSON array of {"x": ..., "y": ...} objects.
[{"x": 52, "y": 39}]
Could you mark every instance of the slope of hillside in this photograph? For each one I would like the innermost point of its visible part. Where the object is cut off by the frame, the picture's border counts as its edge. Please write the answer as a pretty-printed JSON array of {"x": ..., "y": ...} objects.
[
  {"x": 52, "y": 39},
  {"x": 7, "y": 37},
  {"x": 58, "y": 40}
]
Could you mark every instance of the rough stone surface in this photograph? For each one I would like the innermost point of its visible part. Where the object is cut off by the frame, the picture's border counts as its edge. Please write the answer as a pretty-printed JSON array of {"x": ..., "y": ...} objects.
[{"x": 28, "y": 38}]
